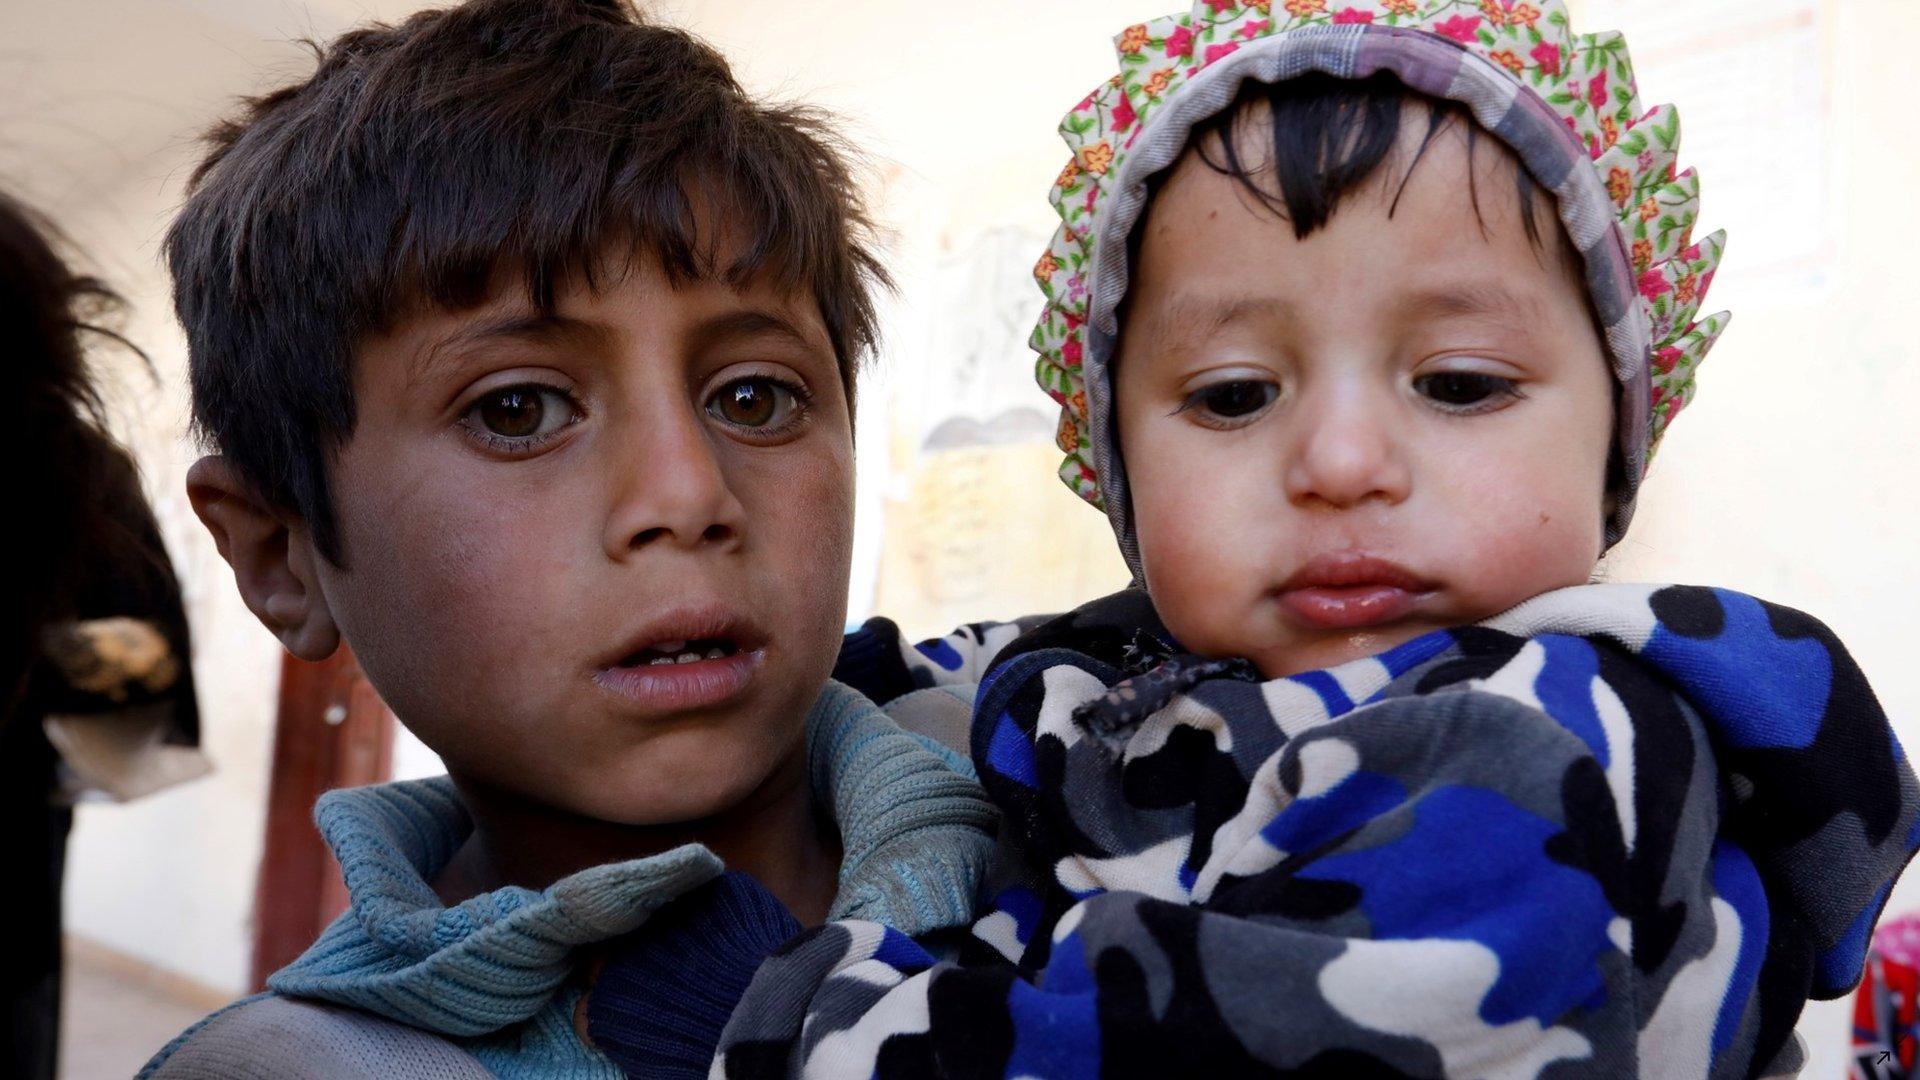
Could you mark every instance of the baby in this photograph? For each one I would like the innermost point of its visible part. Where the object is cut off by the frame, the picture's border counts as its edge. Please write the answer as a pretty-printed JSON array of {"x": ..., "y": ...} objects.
[{"x": 1365, "y": 323}]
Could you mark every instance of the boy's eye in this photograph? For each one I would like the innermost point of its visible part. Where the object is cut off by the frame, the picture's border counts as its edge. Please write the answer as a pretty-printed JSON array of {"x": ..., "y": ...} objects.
[
  {"x": 1234, "y": 400},
  {"x": 522, "y": 412},
  {"x": 1461, "y": 389},
  {"x": 756, "y": 402}
]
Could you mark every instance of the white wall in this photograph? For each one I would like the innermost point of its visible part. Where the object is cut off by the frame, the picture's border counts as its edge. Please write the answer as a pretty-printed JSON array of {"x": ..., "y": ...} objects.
[
  {"x": 1793, "y": 474},
  {"x": 100, "y": 101}
]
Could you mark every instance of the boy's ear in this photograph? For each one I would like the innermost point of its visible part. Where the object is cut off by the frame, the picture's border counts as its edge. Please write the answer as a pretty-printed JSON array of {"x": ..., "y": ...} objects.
[{"x": 272, "y": 557}]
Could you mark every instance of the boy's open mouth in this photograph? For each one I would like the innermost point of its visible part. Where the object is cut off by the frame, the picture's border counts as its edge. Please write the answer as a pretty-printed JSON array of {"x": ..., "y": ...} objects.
[
  {"x": 692, "y": 657},
  {"x": 666, "y": 653}
]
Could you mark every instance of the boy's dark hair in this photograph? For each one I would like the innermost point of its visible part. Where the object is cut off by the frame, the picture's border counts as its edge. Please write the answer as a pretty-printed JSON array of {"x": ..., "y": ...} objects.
[
  {"x": 422, "y": 158},
  {"x": 1329, "y": 136}
]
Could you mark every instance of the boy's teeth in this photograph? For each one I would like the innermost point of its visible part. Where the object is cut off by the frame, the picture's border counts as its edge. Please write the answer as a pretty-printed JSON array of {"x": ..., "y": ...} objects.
[
  {"x": 687, "y": 658},
  {"x": 716, "y": 653},
  {"x": 658, "y": 660}
]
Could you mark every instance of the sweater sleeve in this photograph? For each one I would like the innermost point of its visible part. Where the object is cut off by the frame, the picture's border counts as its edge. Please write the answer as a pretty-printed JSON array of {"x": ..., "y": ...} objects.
[{"x": 1427, "y": 886}]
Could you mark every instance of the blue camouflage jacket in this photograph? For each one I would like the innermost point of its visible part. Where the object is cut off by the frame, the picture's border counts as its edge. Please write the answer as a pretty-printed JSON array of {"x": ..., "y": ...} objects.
[{"x": 1621, "y": 830}]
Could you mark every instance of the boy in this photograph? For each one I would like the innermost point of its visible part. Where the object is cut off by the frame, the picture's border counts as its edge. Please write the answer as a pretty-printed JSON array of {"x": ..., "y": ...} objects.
[
  {"x": 1364, "y": 326},
  {"x": 527, "y": 343}
]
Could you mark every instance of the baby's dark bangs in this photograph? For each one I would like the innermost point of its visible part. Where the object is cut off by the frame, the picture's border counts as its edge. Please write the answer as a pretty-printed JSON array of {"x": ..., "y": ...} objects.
[{"x": 1328, "y": 137}]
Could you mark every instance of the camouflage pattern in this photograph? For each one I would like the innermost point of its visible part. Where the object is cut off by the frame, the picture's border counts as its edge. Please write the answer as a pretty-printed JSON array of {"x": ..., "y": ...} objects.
[{"x": 1620, "y": 830}]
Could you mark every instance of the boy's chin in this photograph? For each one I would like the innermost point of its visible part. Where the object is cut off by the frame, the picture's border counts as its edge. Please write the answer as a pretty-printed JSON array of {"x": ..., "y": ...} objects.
[{"x": 669, "y": 784}]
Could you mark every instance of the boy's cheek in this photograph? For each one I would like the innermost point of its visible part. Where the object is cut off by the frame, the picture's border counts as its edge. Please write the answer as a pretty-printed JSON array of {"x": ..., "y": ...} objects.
[{"x": 480, "y": 620}]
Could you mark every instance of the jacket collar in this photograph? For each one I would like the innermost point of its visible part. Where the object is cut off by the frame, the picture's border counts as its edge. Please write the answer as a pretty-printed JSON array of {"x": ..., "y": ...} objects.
[{"x": 916, "y": 836}]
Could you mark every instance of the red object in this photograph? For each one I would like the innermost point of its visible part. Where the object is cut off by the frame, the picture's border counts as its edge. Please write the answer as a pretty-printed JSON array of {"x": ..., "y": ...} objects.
[
  {"x": 1886, "y": 1007},
  {"x": 332, "y": 731}
]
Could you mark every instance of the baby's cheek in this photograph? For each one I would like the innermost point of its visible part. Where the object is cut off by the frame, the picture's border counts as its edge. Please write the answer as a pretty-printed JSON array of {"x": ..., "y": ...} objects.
[
  {"x": 1199, "y": 570},
  {"x": 1525, "y": 542}
]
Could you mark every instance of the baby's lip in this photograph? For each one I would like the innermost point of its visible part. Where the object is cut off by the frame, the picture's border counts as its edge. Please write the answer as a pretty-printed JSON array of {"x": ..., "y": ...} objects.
[
  {"x": 1351, "y": 590},
  {"x": 1354, "y": 570}
]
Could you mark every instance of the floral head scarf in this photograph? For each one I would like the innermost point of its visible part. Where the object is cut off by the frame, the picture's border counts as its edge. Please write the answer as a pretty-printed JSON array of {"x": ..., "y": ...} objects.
[{"x": 1566, "y": 104}]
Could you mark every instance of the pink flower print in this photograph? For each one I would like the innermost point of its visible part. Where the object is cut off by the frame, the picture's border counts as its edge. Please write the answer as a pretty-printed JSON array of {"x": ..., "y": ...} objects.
[
  {"x": 1074, "y": 322},
  {"x": 1070, "y": 351},
  {"x": 1653, "y": 285},
  {"x": 1347, "y": 16},
  {"x": 1255, "y": 28},
  {"x": 1666, "y": 360},
  {"x": 1077, "y": 287},
  {"x": 1461, "y": 28},
  {"x": 1597, "y": 90},
  {"x": 1219, "y": 6},
  {"x": 1646, "y": 159},
  {"x": 1706, "y": 282},
  {"x": 1659, "y": 395},
  {"x": 1692, "y": 254},
  {"x": 1180, "y": 42},
  {"x": 1215, "y": 52},
  {"x": 1085, "y": 104},
  {"x": 1123, "y": 114},
  {"x": 1547, "y": 55}
]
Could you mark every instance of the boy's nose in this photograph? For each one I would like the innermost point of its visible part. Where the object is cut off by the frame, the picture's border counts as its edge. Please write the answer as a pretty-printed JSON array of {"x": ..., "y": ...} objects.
[
  {"x": 672, "y": 489},
  {"x": 1347, "y": 451}
]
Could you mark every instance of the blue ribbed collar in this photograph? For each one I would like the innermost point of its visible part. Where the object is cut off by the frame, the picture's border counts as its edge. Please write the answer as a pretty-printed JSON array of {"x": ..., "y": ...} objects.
[{"x": 916, "y": 833}]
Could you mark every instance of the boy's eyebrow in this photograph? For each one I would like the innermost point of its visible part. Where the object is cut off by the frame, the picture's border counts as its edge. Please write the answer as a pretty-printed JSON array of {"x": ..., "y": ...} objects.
[
  {"x": 518, "y": 326},
  {"x": 751, "y": 322}
]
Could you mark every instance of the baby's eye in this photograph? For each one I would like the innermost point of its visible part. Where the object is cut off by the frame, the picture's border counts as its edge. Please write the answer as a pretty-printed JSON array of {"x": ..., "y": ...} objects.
[
  {"x": 1235, "y": 400},
  {"x": 758, "y": 403},
  {"x": 1465, "y": 389},
  {"x": 522, "y": 414}
]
